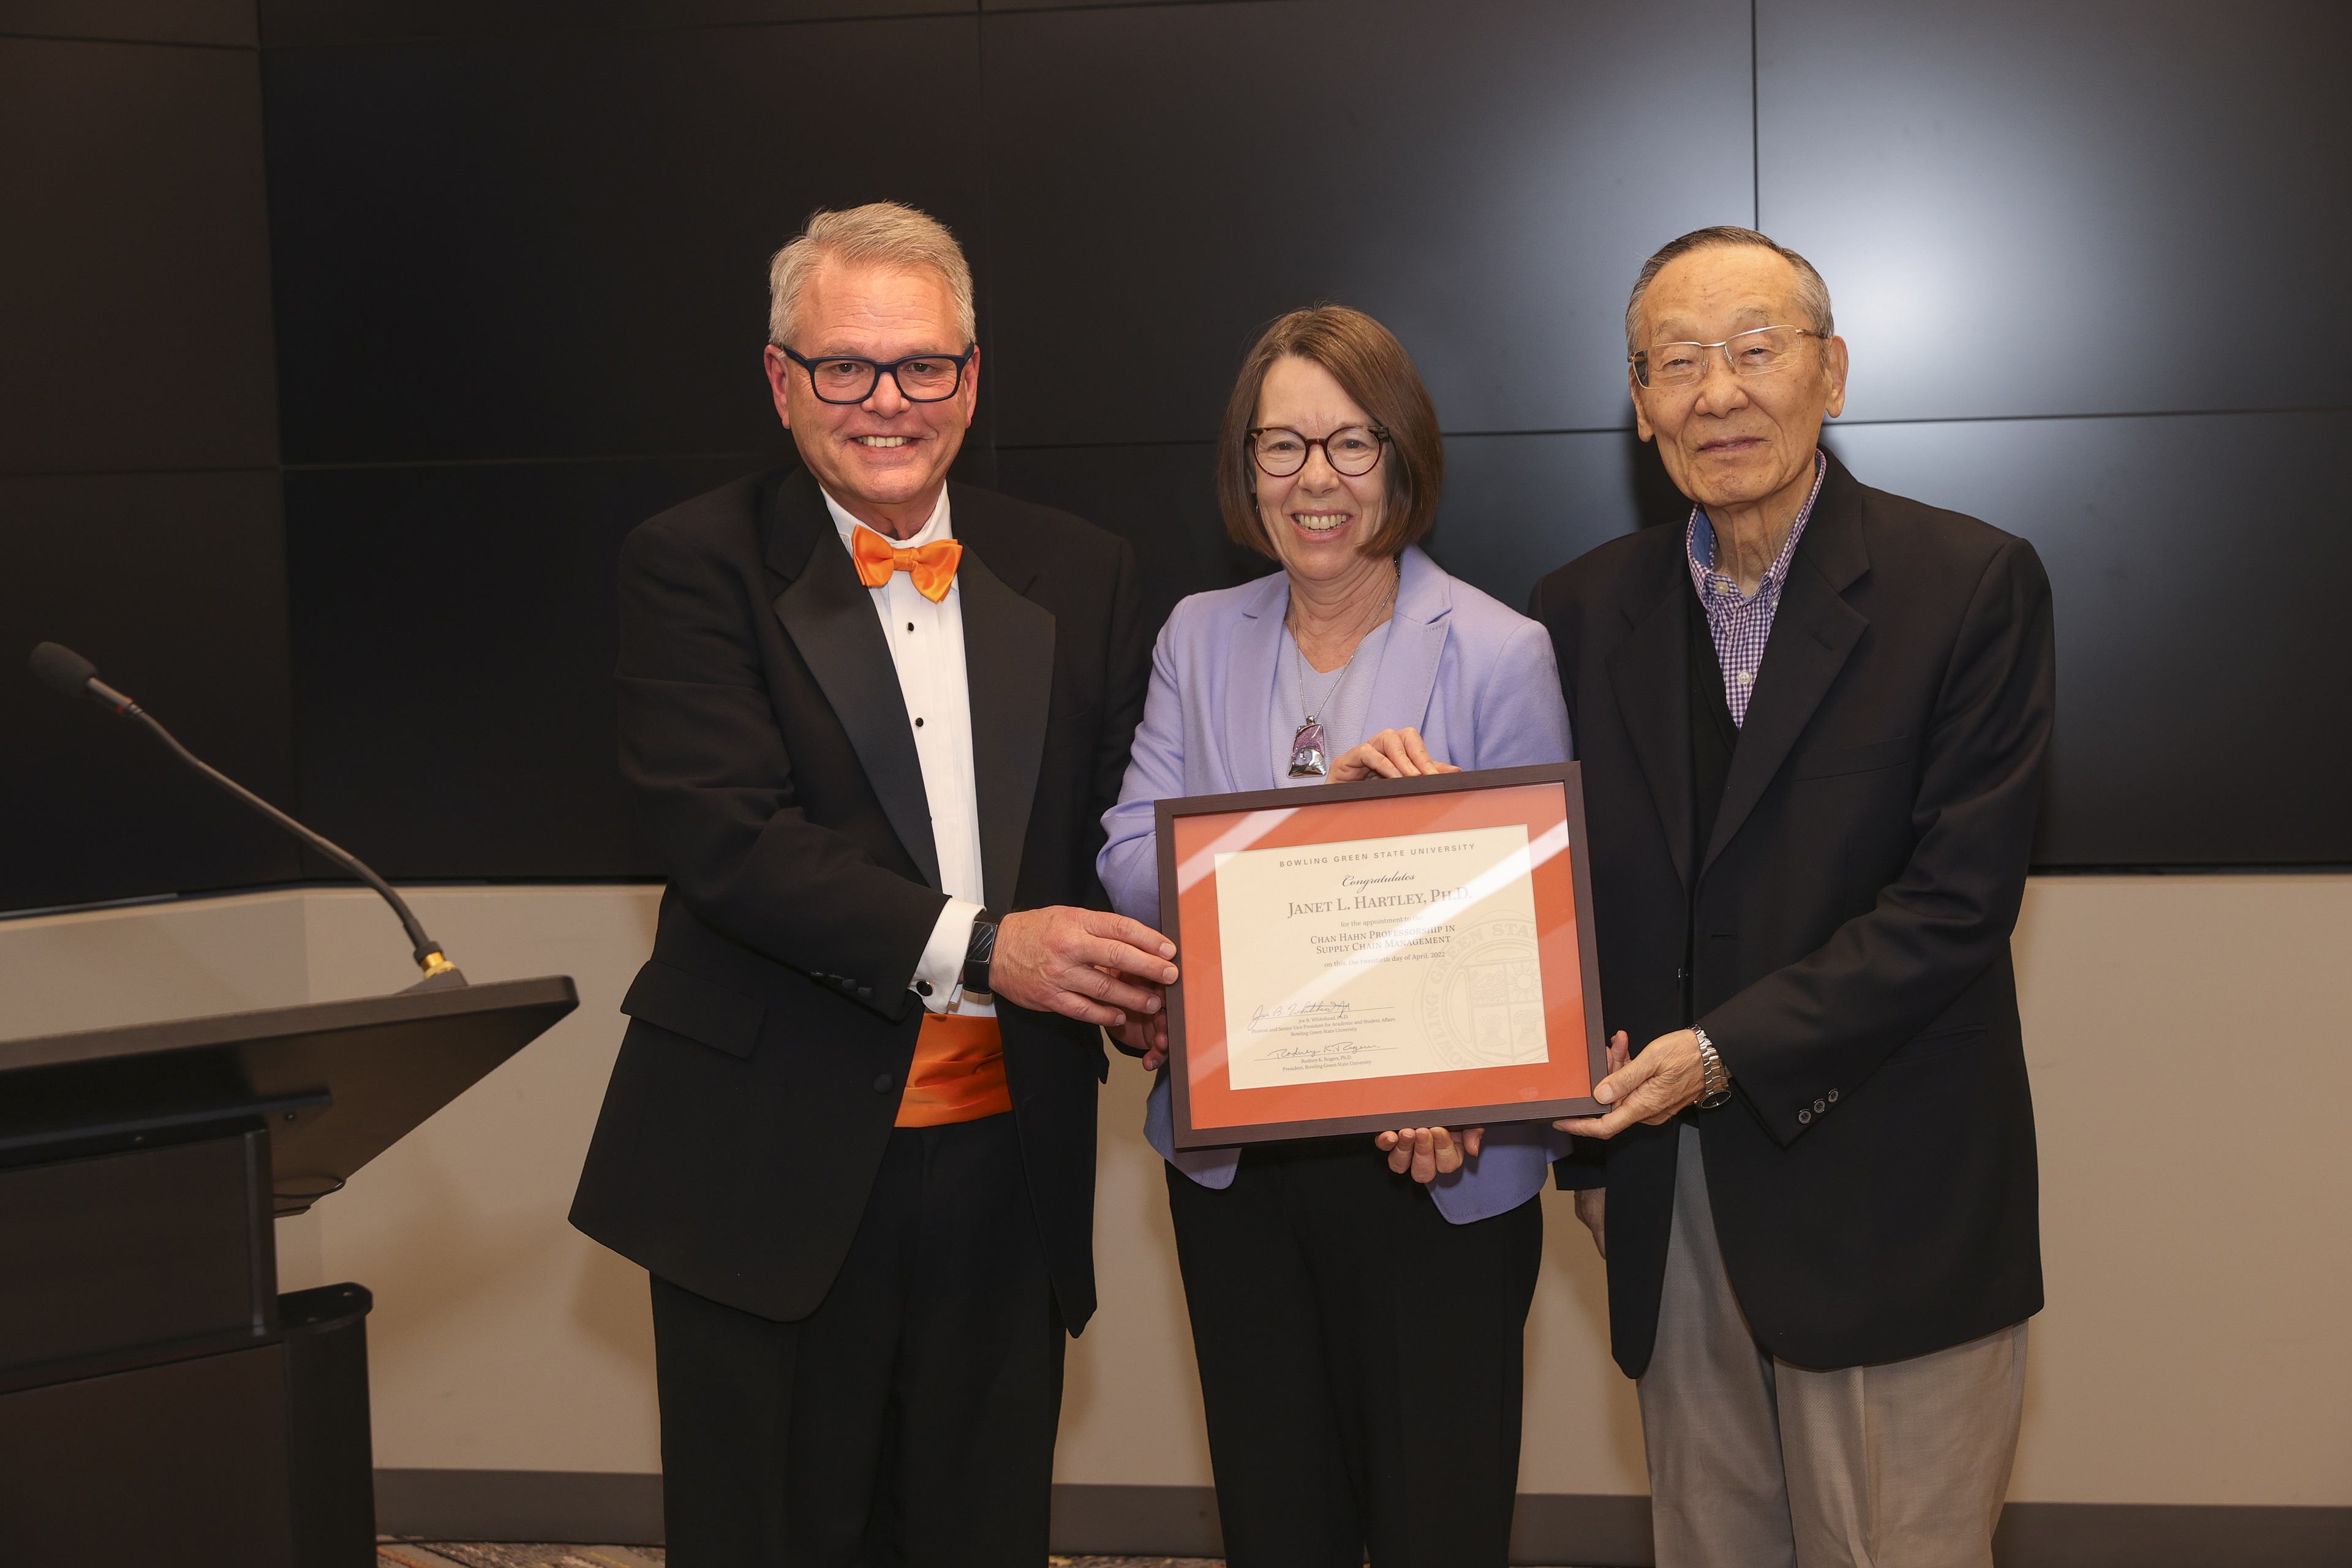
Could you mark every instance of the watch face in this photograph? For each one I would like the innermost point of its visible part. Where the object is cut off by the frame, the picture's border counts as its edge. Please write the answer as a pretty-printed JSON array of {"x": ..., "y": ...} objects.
[{"x": 979, "y": 953}]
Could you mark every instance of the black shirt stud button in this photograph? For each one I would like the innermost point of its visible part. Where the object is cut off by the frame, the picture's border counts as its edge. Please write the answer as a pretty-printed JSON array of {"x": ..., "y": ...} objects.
[
  {"x": 922, "y": 988},
  {"x": 1803, "y": 1117},
  {"x": 881, "y": 1083}
]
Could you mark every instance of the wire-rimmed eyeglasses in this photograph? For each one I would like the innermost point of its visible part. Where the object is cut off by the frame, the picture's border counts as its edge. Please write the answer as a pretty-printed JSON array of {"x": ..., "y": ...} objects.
[
  {"x": 920, "y": 378},
  {"x": 1352, "y": 449},
  {"x": 1760, "y": 351}
]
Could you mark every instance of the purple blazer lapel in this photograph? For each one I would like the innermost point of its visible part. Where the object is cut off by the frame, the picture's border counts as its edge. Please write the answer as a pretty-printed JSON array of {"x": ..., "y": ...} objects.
[
  {"x": 1249, "y": 679},
  {"x": 1408, "y": 670}
]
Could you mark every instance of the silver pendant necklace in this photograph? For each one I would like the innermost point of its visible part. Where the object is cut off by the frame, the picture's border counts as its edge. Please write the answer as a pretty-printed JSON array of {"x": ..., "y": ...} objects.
[{"x": 1309, "y": 754}]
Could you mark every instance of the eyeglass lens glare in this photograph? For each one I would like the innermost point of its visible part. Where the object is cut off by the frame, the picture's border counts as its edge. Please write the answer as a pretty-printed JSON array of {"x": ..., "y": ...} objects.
[{"x": 1758, "y": 352}]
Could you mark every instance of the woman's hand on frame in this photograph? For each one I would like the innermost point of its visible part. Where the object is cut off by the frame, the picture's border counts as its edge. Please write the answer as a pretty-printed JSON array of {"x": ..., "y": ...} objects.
[
  {"x": 1428, "y": 1152},
  {"x": 1390, "y": 755}
]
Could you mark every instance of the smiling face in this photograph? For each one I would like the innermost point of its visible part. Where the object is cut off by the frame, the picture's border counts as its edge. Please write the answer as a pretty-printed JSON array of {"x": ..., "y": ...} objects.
[
  {"x": 1735, "y": 440},
  {"x": 885, "y": 459},
  {"x": 1318, "y": 519}
]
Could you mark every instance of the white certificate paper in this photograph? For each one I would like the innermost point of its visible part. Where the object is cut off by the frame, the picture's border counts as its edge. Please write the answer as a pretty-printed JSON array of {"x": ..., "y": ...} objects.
[{"x": 1379, "y": 958}]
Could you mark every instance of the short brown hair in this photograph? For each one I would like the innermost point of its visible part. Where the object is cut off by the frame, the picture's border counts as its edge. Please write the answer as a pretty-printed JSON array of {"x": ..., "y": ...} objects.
[
  {"x": 1812, "y": 294},
  {"x": 1371, "y": 367}
]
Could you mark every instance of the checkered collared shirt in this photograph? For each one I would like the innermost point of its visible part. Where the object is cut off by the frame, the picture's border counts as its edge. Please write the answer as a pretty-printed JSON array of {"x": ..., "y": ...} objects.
[{"x": 1742, "y": 627}]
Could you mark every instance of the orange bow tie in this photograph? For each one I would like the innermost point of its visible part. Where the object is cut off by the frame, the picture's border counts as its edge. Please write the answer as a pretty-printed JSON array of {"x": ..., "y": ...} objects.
[{"x": 932, "y": 565}]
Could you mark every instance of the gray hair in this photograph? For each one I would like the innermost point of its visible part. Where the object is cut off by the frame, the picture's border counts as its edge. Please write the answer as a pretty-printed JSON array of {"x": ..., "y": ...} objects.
[
  {"x": 1812, "y": 294},
  {"x": 879, "y": 234}
]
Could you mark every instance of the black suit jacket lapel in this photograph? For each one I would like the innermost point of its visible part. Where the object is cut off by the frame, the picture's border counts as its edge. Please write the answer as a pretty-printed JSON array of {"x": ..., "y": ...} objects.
[
  {"x": 1650, "y": 672},
  {"x": 830, "y": 616},
  {"x": 1814, "y": 633},
  {"x": 1008, "y": 659}
]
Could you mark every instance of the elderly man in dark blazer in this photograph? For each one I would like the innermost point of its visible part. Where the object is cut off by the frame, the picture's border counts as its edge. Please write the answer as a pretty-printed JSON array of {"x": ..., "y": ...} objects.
[
  {"x": 1812, "y": 723},
  {"x": 871, "y": 721}
]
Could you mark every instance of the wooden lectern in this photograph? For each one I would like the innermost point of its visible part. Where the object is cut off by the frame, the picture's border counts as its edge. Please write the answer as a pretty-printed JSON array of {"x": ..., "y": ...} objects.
[{"x": 160, "y": 1402}]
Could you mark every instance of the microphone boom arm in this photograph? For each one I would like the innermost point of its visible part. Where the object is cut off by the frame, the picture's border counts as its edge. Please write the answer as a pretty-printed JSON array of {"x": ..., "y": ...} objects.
[
  {"x": 428, "y": 952},
  {"x": 73, "y": 675}
]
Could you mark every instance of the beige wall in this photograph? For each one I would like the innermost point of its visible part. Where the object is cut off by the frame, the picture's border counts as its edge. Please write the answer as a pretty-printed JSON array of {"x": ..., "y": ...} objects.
[{"x": 2190, "y": 1069}]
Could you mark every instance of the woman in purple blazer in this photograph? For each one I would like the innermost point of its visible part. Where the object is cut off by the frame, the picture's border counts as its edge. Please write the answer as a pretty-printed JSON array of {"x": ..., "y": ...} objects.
[{"x": 1358, "y": 1335}]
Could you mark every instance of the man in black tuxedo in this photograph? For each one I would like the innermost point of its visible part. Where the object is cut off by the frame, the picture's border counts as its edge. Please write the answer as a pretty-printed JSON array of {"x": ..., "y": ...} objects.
[
  {"x": 871, "y": 721},
  {"x": 1813, "y": 724}
]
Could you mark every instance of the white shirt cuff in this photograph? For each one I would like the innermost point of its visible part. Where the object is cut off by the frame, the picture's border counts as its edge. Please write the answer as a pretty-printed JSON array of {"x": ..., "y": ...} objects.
[{"x": 941, "y": 968}]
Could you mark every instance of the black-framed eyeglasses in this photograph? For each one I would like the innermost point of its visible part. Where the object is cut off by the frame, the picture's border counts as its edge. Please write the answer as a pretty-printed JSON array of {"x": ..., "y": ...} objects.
[
  {"x": 1352, "y": 449},
  {"x": 922, "y": 378},
  {"x": 1760, "y": 351}
]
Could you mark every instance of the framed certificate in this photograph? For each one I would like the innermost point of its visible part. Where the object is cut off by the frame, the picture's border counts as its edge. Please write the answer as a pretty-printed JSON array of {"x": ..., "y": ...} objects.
[{"x": 1394, "y": 952}]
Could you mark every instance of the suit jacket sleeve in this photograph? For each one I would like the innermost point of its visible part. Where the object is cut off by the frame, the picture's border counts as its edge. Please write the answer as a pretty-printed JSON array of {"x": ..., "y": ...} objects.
[
  {"x": 1829, "y": 1019},
  {"x": 1129, "y": 862},
  {"x": 1577, "y": 1163},
  {"x": 1521, "y": 719},
  {"x": 1125, "y": 702},
  {"x": 713, "y": 782}
]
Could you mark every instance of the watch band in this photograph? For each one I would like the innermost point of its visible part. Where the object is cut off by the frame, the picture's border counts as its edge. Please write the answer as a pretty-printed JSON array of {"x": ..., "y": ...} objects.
[
  {"x": 980, "y": 954},
  {"x": 1715, "y": 1081}
]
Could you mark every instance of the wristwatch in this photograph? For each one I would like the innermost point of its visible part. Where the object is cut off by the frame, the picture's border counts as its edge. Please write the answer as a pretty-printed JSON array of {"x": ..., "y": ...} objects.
[
  {"x": 1715, "y": 1081},
  {"x": 980, "y": 954}
]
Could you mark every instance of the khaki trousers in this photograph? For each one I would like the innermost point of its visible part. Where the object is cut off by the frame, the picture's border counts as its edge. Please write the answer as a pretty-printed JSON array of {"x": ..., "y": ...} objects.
[{"x": 1755, "y": 1463}]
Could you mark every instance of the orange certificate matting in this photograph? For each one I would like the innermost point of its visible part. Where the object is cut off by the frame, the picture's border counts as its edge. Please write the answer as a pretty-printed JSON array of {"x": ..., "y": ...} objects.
[{"x": 1421, "y": 955}]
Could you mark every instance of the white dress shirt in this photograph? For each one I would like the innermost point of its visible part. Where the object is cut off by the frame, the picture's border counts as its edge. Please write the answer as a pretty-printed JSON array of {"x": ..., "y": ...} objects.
[{"x": 926, "y": 647}]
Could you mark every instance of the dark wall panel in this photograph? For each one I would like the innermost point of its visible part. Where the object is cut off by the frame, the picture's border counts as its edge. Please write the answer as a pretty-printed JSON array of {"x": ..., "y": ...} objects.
[
  {"x": 2195, "y": 565},
  {"x": 1485, "y": 177},
  {"x": 1517, "y": 506},
  {"x": 2089, "y": 208},
  {"x": 557, "y": 248},
  {"x": 221, "y": 22},
  {"x": 1161, "y": 499},
  {"x": 453, "y": 636},
  {"x": 136, "y": 265},
  {"x": 519, "y": 255},
  {"x": 173, "y": 585},
  {"x": 350, "y": 21}
]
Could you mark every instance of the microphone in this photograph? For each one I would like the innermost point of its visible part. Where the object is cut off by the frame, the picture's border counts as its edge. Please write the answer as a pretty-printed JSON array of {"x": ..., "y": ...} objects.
[{"x": 74, "y": 676}]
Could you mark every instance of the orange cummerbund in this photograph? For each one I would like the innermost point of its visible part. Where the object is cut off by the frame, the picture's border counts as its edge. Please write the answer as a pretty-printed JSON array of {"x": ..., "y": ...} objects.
[{"x": 958, "y": 1074}]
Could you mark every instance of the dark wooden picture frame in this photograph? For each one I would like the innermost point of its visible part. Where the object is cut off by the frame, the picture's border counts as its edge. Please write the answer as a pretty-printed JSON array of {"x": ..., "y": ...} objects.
[{"x": 1333, "y": 800}]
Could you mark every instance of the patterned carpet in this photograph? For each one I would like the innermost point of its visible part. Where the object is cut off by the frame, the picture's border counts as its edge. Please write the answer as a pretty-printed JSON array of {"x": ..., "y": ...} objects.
[{"x": 492, "y": 1555}]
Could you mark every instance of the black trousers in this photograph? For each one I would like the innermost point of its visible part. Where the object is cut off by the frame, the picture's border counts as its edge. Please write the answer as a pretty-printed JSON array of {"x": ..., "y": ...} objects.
[
  {"x": 1360, "y": 1359},
  {"x": 908, "y": 1422}
]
